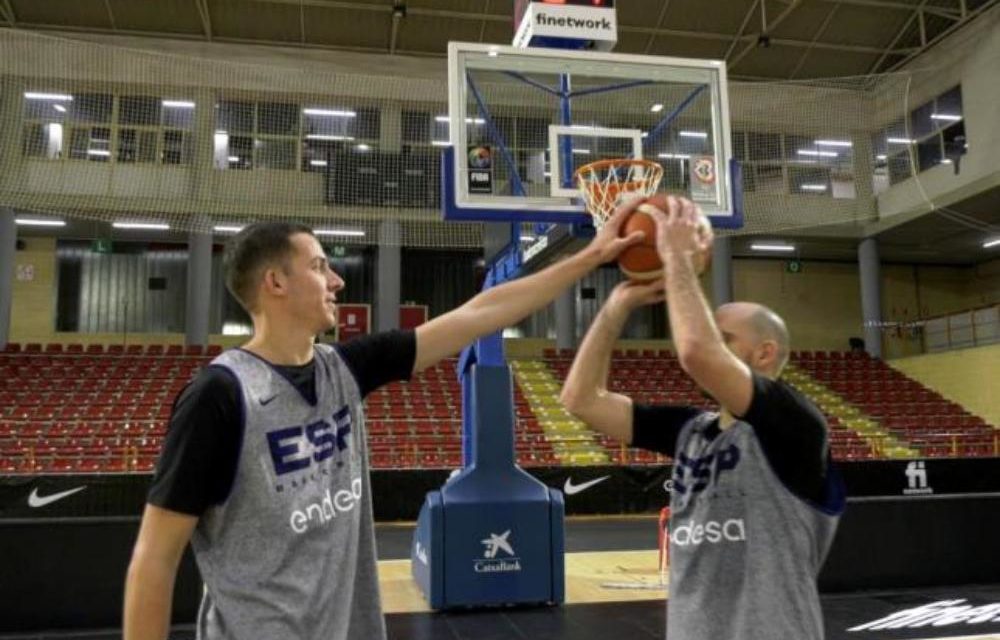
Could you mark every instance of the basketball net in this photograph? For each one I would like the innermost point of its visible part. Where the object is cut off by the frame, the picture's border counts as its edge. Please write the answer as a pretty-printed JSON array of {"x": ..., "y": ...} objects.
[{"x": 607, "y": 183}]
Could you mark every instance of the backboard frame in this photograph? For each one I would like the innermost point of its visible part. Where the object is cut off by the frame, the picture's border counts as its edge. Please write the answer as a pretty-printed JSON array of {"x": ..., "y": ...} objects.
[{"x": 459, "y": 204}]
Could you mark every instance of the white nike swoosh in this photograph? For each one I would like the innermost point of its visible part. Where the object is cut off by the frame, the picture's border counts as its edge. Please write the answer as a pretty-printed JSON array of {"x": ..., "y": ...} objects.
[
  {"x": 569, "y": 488},
  {"x": 35, "y": 501}
]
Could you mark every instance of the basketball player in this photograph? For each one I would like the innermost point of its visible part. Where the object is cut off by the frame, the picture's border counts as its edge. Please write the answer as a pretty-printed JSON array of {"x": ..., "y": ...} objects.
[
  {"x": 264, "y": 467},
  {"x": 755, "y": 501}
]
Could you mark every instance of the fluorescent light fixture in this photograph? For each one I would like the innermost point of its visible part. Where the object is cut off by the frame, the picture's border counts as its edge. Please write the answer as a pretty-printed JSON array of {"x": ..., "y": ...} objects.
[
  {"x": 317, "y": 163},
  {"x": 319, "y": 136},
  {"x": 833, "y": 143},
  {"x": 656, "y": 108},
  {"x": 333, "y": 113},
  {"x": 693, "y": 134},
  {"x": 821, "y": 154},
  {"x": 444, "y": 119},
  {"x": 582, "y": 152},
  {"x": 676, "y": 156},
  {"x": 527, "y": 238},
  {"x": 154, "y": 226},
  {"x": 645, "y": 134},
  {"x": 493, "y": 52},
  {"x": 946, "y": 161},
  {"x": 440, "y": 143},
  {"x": 62, "y": 97},
  {"x": 813, "y": 187},
  {"x": 772, "y": 247},
  {"x": 881, "y": 156},
  {"x": 103, "y": 153},
  {"x": 233, "y": 158},
  {"x": 899, "y": 141},
  {"x": 59, "y": 108},
  {"x": 225, "y": 228},
  {"x": 991, "y": 243},
  {"x": 39, "y": 222},
  {"x": 362, "y": 147},
  {"x": 948, "y": 117},
  {"x": 357, "y": 233},
  {"x": 178, "y": 104}
]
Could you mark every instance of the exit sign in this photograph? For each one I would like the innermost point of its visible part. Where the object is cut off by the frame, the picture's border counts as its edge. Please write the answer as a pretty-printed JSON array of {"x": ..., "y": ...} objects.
[
  {"x": 101, "y": 245},
  {"x": 793, "y": 266}
]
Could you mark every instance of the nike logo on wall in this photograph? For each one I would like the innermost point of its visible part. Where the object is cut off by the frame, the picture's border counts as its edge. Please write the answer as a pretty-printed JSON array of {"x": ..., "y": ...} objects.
[
  {"x": 35, "y": 501},
  {"x": 569, "y": 488},
  {"x": 264, "y": 402}
]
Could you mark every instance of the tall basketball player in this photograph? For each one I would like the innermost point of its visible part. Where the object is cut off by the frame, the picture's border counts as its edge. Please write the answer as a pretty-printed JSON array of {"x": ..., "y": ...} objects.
[
  {"x": 755, "y": 500},
  {"x": 264, "y": 468}
]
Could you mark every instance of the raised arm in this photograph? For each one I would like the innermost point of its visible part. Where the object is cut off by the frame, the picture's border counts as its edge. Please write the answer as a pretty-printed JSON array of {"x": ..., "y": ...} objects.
[
  {"x": 585, "y": 393},
  {"x": 149, "y": 587},
  {"x": 508, "y": 303},
  {"x": 701, "y": 349}
]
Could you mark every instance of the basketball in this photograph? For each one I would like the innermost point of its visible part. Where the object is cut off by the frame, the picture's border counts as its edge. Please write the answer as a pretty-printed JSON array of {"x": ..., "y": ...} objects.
[{"x": 642, "y": 261}]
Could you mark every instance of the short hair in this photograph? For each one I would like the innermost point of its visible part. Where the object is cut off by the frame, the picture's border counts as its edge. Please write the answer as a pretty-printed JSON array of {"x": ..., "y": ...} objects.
[
  {"x": 768, "y": 325},
  {"x": 251, "y": 250}
]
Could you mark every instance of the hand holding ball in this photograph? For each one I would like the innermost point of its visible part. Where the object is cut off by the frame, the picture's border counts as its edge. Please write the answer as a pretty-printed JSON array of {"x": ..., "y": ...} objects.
[{"x": 641, "y": 261}]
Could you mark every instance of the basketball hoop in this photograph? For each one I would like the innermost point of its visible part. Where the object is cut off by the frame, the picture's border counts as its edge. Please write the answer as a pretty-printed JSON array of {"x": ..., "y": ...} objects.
[{"x": 607, "y": 183}]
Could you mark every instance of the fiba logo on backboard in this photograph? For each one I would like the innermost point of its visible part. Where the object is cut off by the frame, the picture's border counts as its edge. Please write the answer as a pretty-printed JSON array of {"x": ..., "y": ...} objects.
[
  {"x": 916, "y": 479},
  {"x": 497, "y": 544}
]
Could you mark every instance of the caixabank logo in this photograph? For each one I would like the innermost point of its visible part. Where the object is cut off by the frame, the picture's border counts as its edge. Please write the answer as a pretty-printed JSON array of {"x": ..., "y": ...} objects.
[{"x": 498, "y": 555}]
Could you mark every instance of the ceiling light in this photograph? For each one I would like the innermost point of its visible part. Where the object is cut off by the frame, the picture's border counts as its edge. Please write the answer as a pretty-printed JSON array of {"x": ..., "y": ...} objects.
[
  {"x": 362, "y": 147},
  {"x": 833, "y": 143},
  {"x": 991, "y": 243},
  {"x": 178, "y": 104},
  {"x": 59, "y": 108},
  {"x": 63, "y": 97},
  {"x": 693, "y": 134},
  {"x": 813, "y": 187},
  {"x": 317, "y": 163},
  {"x": 154, "y": 226},
  {"x": 899, "y": 141},
  {"x": 319, "y": 136},
  {"x": 39, "y": 222},
  {"x": 333, "y": 113},
  {"x": 339, "y": 232},
  {"x": 773, "y": 247},
  {"x": 677, "y": 156},
  {"x": 103, "y": 153},
  {"x": 224, "y": 228},
  {"x": 949, "y": 117},
  {"x": 440, "y": 143},
  {"x": 821, "y": 154},
  {"x": 582, "y": 152},
  {"x": 656, "y": 108}
]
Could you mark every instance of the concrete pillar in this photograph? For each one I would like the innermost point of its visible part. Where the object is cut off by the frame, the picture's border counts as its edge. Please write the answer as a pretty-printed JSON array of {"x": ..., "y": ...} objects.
[
  {"x": 871, "y": 295},
  {"x": 387, "y": 276},
  {"x": 722, "y": 271},
  {"x": 566, "y": 319},
  {"x": 199, "y": 288},
  {"x": 8, "y": 247}
]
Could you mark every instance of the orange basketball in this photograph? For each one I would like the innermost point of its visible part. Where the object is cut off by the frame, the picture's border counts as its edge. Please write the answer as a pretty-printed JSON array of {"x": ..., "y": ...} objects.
[{"x": 642, "y": 261}]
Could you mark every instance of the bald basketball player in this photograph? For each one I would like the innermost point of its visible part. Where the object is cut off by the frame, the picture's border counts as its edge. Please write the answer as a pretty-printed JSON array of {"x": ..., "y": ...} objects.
[
  {"x": 755, "y": 499},
  {"x": 265, "y": 467}
]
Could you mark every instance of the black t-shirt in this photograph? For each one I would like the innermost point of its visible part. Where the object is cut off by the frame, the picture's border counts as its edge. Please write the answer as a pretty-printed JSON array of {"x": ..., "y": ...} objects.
[
  {"x": 198, "y": 463},
  {"x": 790, "y": 428}
]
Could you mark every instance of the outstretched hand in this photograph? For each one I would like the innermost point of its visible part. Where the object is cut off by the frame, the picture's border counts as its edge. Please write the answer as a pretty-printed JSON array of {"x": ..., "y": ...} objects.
[
  {"x": 607, "y": 241},
  {"x": 632, "y": 294},
  {"x": 681, "y": 230}
]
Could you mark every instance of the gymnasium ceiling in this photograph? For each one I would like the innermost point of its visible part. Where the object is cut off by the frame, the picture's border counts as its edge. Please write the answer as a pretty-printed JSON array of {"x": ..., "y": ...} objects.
[{"x": 807, "y": 38}]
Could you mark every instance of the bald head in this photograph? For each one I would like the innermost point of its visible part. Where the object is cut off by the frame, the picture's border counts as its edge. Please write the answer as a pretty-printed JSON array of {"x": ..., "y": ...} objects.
[{"x": 759, "y": 329}]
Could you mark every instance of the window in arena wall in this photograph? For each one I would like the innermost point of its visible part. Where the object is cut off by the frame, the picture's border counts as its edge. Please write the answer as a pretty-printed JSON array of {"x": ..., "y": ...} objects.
[
  {"x": 101, "y": 127},
  {"x": 329, "y": 130}
]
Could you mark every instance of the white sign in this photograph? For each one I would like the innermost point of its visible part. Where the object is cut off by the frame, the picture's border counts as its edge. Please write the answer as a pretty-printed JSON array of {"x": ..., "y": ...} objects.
[
  {"x": 916, "y": 479},
  {"x": 597, "y": 24},
  {"x": 25, "y": 272}
]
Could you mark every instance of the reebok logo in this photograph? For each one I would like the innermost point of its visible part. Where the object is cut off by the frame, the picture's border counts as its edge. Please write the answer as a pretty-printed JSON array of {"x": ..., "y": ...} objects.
[
  {"x": 575, "y": 23},
  {"x": 938, "y": 614},
  {"x": 571, "y": 489},
  {"x": 36, "y": 501},
  {"x": 711, "y": 532},
  {"x": 916, "y": 479}
]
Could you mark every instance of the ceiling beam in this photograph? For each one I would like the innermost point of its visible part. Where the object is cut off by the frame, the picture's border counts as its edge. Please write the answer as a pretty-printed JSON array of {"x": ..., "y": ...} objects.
[
  {"x": 482, "y": 23},
  {"x": 7, "y": 12},
  {"x": 943, "y": 12},
  {"x": 816, "y": 37},
  {"x": 398, "y": 11},
  {"x": 743, "y": 27},
  {"x": 753, "y": 44},
  {"x": 206, "y": 18},
  {"x": 659, "y": 23},
  {"x": 111, "y": 15},
  {"x": 971, "y": 15},
  {"x": 892, "y": 43}
]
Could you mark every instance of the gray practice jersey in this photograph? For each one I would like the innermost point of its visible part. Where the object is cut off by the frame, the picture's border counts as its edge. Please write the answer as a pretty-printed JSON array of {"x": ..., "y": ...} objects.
[
  {"x": 290, "y": 554},
  {"x": 745, "y": 552}
]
